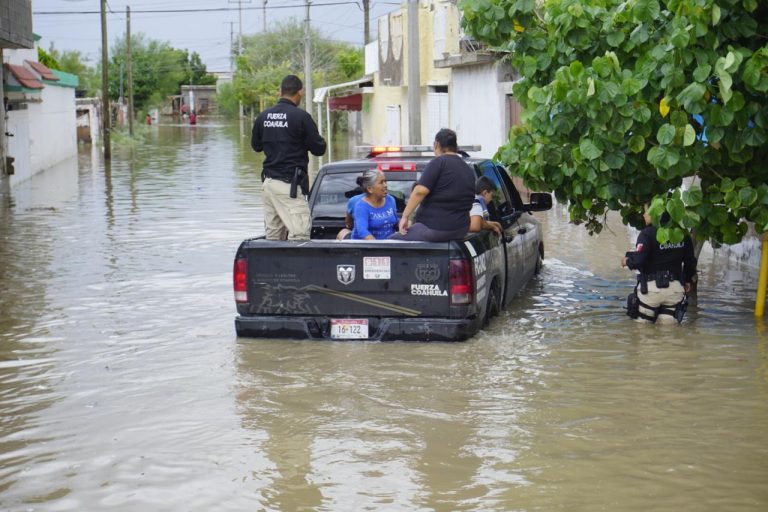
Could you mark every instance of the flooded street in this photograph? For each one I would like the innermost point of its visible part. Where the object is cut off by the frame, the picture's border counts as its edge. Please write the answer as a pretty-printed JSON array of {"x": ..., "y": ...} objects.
[{"x": 124, "y": 387}]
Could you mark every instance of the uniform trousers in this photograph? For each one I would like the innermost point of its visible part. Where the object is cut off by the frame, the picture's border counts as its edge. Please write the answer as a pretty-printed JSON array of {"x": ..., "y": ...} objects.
[
  {"x": 285, "y": 218},
  {"x": 656, "y": 297}
]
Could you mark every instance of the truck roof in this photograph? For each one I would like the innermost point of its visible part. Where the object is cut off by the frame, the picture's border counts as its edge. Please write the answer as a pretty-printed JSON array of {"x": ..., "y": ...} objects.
[{"x": 388, "y": 162}]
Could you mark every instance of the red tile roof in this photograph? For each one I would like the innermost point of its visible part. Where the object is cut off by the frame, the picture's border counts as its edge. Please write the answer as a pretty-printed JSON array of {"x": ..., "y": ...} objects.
[
  {"x": 42, "y": 70},
  {"x": 25, "y": 77}
]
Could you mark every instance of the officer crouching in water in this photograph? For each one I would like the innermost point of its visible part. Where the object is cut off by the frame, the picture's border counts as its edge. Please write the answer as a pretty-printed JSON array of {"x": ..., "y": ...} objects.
[{"x": 666, "y": 273}]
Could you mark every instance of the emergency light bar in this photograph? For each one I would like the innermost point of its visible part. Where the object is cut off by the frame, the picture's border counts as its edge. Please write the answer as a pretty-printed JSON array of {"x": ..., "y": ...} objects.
[{"x": 381, "y": 150}]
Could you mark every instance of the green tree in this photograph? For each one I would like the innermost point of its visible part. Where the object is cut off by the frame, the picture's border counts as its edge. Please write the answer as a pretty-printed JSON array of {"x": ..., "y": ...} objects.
[
  {"x": 72, "y": 61},
  {"x": 47, "y": 60},
  {"x": 159, "y": 70},
  {"x": 228, "y": 102},
  {"x": 268, "y": 57},
  {"x": 623, "y": 99},
  {"x": 197, "y": 73}
]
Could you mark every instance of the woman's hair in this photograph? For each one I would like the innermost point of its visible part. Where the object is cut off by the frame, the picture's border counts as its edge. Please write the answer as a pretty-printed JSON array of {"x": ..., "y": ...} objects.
[
  {"x": 446, "y": 139},
  {"x": 368, "y": 179}
]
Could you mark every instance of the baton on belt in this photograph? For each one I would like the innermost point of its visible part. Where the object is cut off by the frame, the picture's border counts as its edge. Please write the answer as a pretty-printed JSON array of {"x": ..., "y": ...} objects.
[{"x": 295, "y": 182}]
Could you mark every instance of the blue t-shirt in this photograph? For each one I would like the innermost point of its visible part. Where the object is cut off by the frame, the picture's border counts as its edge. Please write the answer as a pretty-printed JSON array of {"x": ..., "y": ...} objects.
[
  {"x": 352, "y": 203},
  {"x": 379, "y": 222}
]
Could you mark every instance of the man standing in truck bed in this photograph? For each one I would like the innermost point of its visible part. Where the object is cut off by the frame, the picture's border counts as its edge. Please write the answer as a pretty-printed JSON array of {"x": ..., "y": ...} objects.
[{"x": 285, "y": 133}]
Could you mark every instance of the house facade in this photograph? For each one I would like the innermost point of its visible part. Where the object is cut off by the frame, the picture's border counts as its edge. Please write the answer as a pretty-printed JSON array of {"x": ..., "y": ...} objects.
[
  {"x": 462, "y": 85},
  {"x": 482, "y": 106},
  {"x": 385, "y": 110},
  {"x": 15, "y": 32},
  {"x": 40, "y": 115}
]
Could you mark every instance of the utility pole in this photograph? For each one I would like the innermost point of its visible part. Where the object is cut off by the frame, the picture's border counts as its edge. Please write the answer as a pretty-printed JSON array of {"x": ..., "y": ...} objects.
[
  {"x": 231, "y": 44},
  {"x": 307, "y": 64},
  {"x": 240, "y": 39},
  {"x": 240, "y": 20},
  {"x": 130, "y": 69},
  {"x": 105, "y": 114},
  {"x": 414, "y": 80},
  {"x": 264, "y": 16},
  {"x": 366, "y": 21},
  {"x": 122, "y": 72}
]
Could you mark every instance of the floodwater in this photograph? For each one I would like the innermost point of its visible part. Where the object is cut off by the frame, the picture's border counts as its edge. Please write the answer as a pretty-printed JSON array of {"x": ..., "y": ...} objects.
[{"x": 123, "y": 386}]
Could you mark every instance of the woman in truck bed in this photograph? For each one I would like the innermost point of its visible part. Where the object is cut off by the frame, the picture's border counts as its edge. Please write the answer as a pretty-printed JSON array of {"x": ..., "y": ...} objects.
[{"x": 375, "y": 215}]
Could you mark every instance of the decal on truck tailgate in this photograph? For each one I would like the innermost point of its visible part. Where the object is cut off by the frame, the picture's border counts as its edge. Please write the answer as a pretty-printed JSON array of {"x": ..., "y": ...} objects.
[{"x": 365, "y": 300}]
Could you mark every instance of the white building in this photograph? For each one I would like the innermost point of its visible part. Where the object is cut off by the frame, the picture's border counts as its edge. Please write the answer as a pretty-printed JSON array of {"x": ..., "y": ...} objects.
[
  {"x": 481, "y": 104},
  {"x": 40, "y": 114},
  {"x": 461, "y": 85}
]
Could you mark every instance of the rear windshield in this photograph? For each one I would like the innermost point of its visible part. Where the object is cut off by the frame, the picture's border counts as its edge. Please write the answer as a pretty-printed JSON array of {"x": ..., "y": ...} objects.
[{"x": 335, "y": 190}]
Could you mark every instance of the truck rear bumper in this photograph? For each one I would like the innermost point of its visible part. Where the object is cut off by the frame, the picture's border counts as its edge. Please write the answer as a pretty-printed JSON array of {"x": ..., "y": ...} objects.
[{"x": 384, "y": 329}]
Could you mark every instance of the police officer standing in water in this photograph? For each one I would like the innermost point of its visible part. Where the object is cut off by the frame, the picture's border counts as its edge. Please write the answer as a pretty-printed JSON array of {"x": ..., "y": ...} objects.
[
  {"x": 666, "y": 272},
  {"x": 285, "y": 133}
]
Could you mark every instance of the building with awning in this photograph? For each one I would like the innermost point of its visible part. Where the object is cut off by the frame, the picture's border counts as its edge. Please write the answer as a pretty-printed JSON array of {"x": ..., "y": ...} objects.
[
  {"x": 345, "y": 97},
  {"x": 40, "y": 119},
  {"x": 15, "y": 33}
]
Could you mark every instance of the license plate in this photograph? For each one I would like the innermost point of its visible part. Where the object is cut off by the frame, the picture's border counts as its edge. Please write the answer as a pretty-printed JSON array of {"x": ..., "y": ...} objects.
[{"x": 349, "y": 329}]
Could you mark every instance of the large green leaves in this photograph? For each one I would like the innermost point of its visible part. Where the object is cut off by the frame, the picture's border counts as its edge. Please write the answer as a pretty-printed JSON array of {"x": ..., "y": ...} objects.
[{"x": 628, "y": 100}]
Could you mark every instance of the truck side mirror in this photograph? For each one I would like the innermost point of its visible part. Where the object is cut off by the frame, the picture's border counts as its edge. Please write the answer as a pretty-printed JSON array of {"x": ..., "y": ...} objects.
[{"x": 539, "y": 202}]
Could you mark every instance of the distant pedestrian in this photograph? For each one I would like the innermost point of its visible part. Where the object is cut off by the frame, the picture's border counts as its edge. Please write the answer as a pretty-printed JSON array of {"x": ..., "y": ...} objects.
[
  {"x": 666, "y": 272},
  {"x": 192, "y": 118},
  {"x": 149, "y": 119},
  {"x": 285, "y": 133}
]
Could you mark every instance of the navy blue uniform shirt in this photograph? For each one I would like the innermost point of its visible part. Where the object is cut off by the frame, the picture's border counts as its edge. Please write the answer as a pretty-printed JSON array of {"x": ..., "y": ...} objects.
[
  {"x": 285, "y": 133},
  {"x": 650, "y": 256}
]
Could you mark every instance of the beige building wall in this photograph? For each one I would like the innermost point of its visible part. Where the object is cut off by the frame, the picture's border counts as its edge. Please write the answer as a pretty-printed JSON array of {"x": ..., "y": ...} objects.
[{"x": 438, "y": 35}]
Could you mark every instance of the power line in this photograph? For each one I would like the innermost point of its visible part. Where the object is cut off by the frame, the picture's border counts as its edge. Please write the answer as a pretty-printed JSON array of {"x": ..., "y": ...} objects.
[{"x": 212, "y": 9}]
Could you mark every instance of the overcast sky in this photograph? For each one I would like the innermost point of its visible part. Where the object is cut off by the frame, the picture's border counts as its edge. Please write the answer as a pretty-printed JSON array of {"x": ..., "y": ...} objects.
[{"x": 207, "y": 33}]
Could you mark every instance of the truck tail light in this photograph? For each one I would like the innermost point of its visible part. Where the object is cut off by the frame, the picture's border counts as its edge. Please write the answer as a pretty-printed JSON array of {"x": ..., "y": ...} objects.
[
  {"x": 462, "y": 283},
  {"x": 240, "y": 280}
]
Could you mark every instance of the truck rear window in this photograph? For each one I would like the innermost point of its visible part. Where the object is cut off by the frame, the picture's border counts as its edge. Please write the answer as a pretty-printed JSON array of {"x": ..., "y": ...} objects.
[{"x": 334, "y": 190}]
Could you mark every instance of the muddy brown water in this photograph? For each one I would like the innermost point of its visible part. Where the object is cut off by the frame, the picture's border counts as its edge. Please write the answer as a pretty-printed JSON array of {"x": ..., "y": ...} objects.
[{"x": 124, "y": 387}]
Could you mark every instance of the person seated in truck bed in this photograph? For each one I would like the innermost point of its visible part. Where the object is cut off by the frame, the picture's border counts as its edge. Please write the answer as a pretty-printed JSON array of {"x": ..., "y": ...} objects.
[
  {"x": 375, "y": 215},
  {"x": 444, "y": 195},
  {"x": 349, "y": 221}
]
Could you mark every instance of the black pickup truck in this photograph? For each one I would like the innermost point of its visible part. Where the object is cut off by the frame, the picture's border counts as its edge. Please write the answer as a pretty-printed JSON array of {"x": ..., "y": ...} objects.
[{"x": 385, "y": 289}]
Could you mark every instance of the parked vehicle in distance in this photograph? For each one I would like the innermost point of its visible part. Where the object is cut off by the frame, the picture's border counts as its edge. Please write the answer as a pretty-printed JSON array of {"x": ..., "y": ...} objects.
[{"x": 386, "y": 289}]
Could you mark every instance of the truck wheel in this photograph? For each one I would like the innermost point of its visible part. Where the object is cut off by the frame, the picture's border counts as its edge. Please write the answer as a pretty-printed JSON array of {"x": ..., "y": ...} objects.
[
  {"x": 492, "y": 308},
  {"x": 539, "y": 260}
]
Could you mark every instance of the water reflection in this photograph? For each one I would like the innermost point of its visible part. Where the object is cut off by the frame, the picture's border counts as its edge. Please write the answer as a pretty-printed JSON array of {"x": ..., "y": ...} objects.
[
  {"x": 392, "y": 430},
  {"x": 123, "y": 386}
]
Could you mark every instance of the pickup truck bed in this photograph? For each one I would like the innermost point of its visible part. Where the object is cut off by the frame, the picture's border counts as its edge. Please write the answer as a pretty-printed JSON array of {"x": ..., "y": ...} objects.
[{"x": 399, "y": 290}]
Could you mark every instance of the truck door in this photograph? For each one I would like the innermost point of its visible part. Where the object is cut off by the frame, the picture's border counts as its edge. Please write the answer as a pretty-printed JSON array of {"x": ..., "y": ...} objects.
[
  {"x": 502, "y": 210},
  {"x": 527, "y": 228}
]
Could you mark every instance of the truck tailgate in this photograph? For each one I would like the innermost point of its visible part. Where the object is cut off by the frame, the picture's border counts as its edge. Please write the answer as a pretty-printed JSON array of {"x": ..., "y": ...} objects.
[{"x": 347, "y": 279}]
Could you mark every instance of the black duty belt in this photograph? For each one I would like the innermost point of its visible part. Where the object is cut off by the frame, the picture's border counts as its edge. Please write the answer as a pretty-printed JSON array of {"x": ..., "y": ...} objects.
[
  {"x": 662, "y": 274},
  {"x": 286, "y": 176}
]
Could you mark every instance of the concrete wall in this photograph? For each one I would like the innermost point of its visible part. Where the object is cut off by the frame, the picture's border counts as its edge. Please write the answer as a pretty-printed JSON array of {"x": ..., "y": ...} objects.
[
  {"x": 53, "y": 128},
  {"x": 479, "y": 122},
  {"x": 17, "y": 146},
  {"x": 45, "y": 133},
  {"x": 438, "y": 33},
  {"x": 16, "y": 24},
  {"x": 375, "y": 113}
]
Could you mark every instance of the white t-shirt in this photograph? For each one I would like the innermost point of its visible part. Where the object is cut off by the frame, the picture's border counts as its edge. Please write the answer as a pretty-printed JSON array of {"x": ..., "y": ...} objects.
[{"x": 479, "y": 208}]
